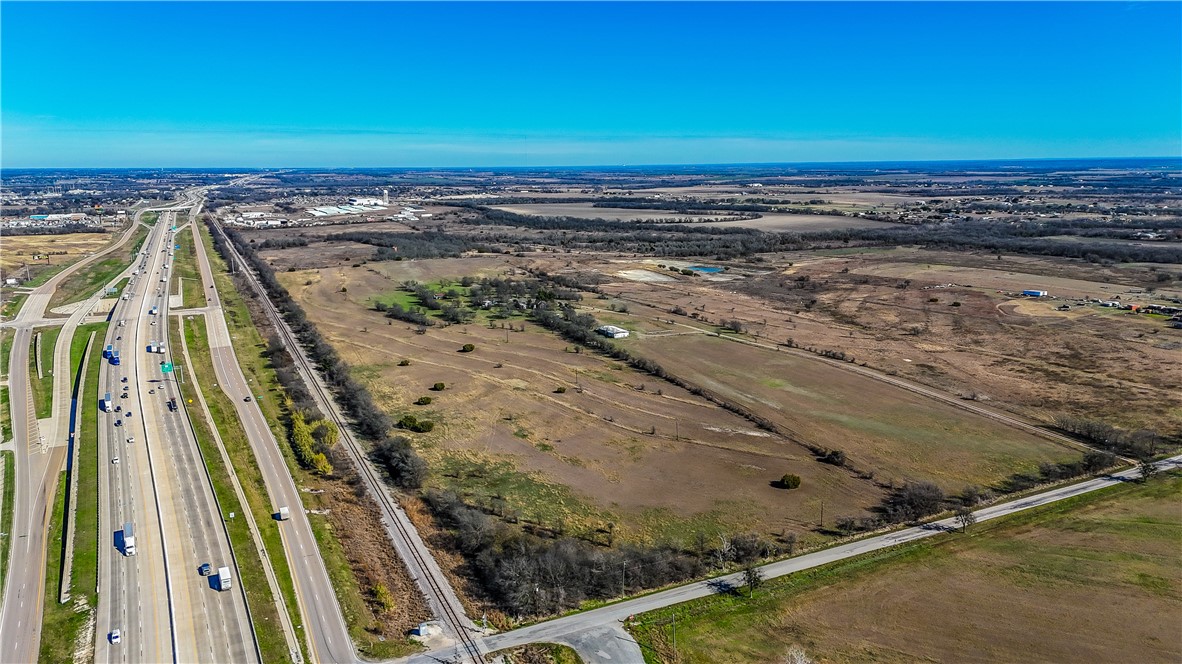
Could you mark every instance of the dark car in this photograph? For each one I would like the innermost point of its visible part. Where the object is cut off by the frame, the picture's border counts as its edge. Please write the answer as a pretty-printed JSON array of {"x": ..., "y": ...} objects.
[
  {"x": 247, "y": 399},
  {"x": 205, "y": 569},
  {"x": 118, "y": 423}
]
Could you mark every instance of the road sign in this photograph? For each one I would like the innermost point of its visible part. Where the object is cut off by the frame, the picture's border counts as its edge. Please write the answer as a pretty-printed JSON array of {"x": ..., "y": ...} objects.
[
  {"x": 166, "y": 367},
  {"x": 176, "y": 246}
]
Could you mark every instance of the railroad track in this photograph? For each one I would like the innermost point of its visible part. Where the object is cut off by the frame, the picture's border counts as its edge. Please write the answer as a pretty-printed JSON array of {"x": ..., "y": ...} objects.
[{"x": 452, "y": 615}]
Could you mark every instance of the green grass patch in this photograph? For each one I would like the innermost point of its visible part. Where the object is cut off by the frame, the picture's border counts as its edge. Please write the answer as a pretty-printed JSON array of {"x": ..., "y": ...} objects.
[
  {"x": 60, "y": 622},
  {"x": 42, "y": 388},
  {"x": 13, "y": 304},
  {"x": 83, "y": 283},
  {"x": 268, "y": 627},
  {"x": 536, "y": 653},
  {"x": 6, "y": 509},
  {"x": 1039, "y": 548},
  {"x": 5, "y": 416},
  {"x": 184, "y": 269},
  {"x": 6, "y": 338},
  {"x": 150, "y": 218}
]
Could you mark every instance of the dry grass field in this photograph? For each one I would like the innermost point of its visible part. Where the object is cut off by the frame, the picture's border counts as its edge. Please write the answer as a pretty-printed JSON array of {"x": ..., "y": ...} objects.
[
  {"x": 1095, "y": 579},
  {"x": 54, "y": 250},
  {"x": 770, "y": 221},
  {"x": 616, "y": 446}
]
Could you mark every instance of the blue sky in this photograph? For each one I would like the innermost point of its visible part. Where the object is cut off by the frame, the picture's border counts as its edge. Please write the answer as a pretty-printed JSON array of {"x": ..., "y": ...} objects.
[{"x": 485, "y": 84}]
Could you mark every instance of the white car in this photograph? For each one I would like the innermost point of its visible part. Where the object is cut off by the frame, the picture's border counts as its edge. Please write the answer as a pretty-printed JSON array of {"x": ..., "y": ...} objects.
[
  {"x": 115, "y": 460},
  {"x": 130, "y": 439},
  {"x": 116, "y": 636}
]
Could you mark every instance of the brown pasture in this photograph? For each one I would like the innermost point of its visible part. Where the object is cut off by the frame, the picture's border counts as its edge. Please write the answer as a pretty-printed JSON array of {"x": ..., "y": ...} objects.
[{"x": 18, "y": 250}]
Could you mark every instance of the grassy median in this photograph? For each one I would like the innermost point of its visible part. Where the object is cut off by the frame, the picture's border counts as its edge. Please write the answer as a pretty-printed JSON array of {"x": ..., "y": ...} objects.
[
  {"x": 184, "y": 269},
  {"x": 42, "y": 388},
  {"x": 83, "y": 283},
  {"x": 6, "y": 499},
  {"x": 262, "y": 604}
]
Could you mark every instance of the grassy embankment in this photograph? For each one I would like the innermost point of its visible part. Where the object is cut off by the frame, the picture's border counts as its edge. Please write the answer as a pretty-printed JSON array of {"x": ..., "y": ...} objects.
[
  {"x": 6, "y": 337},
  {"x": 12, "y": 305},
  {"x": 267, "y": 623},
  {"x": 184, "y": 269},
  {"x": 42, "y": 388},
  {"x": 83, "y": 283},
  {"x": 65, "y": 626},
  {"x": 249, "y": 347},
  {"x": 535, "y": 653},
  {"x": 149, "y": 218},
  {"x": 1019, "y": 588},
  {"x": 6, "y": 499}
]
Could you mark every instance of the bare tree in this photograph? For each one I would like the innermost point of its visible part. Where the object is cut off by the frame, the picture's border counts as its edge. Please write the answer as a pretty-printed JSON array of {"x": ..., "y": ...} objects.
[
  {"x": 965, "y": 517},
  {"x": 796, "y": 655}
]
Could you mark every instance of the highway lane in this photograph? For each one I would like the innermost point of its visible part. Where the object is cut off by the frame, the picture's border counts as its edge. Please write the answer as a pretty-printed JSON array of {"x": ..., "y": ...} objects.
[
  {"x": 210, "y": 625},
  {"x": 324, "y": 625},
  {"x": 562, "y": 629},
  {"x": 133, "y": 595}
]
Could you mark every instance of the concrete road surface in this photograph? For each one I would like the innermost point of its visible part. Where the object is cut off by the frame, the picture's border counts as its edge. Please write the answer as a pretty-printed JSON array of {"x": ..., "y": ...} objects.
[{"x": 586, "y": 631}]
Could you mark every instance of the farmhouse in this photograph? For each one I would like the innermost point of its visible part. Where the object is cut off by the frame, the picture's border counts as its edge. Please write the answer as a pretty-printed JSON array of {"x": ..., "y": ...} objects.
[{"x": 612, "y": 331}]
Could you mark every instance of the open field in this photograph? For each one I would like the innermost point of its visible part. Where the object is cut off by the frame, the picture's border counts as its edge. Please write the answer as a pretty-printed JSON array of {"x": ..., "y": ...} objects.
[
  {"x": 52, "y": 251},
  {"x": 86, "y": 281},
  {"x": 6, "y": 508},
  {"x": 184, "y": 271},
  {"x": 784, "y": 222},
  {"x": 1094, "y": 578},
  {"x": 596, "y": 453}
]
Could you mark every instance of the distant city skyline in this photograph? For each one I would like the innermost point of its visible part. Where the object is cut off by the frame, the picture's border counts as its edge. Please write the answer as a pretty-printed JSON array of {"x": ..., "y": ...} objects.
[{"x": 573, "y": 84}]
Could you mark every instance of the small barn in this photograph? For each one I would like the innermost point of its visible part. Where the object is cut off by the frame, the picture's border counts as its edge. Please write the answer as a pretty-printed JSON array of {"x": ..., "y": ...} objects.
[{"x": 612, "y": 332}]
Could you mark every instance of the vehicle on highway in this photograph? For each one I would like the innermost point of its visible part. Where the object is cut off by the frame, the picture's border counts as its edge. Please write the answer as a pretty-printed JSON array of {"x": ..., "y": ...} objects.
[
  {"x": 247, "y": 399},
  {"x": 118, "y": 423},
  {"x": 116, "y": 636},
  {"x": 152, "y": 391},
  {"x": 115, "y": 460},
  {"x": 205, "y": 570},
  {"x": 118, "y": 408},
  {"x": 130, "y": 439},
  {"x": 124, "y": 395},
  {"x": 225, "y": 582},
  {"x": 119, "y": 338},
  {"x": 128, "y": 539},
  {"x": 123, "y": 380}
]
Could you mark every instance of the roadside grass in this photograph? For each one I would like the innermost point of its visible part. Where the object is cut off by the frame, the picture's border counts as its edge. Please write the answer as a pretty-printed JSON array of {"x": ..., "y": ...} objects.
[
  {"x": 59, "y": 622},
  {"x": 267, "y": 625},
  {"x": 12, "y": 305},
  {"x": 6, "y": 338},
  {"x": 85, "y": 282},
  {"x": 1102, "y": 552},
  {"x": 5, "y": 418},
  {"x": 149, "y": 218},
  {"x": 6, "y": 510},
  {"x": 184, "y": 270},
  {"x": 42, "y": 388},
  {"x": 537, "y": 653},
  {"x": 249, "y": 348}
]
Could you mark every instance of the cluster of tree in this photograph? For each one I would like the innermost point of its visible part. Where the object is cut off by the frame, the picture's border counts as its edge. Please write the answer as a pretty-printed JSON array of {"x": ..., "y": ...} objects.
[
  {"x": 413, "y": 315},
  {"x": 412, "y": 423},
  {"x": 1139, "y": 444},
  {"x": 1016, "y": 237},
  {"x": 528, "y": 575},
  {"x": 405, "y": 468},
  {"x": 53, "y": 230},
  {"x": 289, "y": 377},
  {"x": 1091, "y": 463},
  {"x": 281, "y": 242},
  {"x": 408, "y": 246},
  {"x": 310, "y": 441}
]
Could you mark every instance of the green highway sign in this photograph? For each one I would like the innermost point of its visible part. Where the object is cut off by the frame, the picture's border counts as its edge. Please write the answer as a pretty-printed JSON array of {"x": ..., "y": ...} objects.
[{"x": 166, "y": 367}]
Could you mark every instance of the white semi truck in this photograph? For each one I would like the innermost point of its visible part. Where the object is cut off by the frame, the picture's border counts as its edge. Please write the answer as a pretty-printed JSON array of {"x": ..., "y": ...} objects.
[{"x": 225, "y": 582}]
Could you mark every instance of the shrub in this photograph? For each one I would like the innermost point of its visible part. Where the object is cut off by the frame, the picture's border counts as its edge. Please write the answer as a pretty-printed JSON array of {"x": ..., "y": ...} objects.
[
  {"x": 559, "y": 390},
  {"x": 423, "y": 401},
  {"x": 835, "y": 457},
  {"x": 790, "y": 481},
  {"x": 404, "y": 363},
  {"x": 467, "y": 348},
  {"x": 412, "y": 423},
  {"x": 438, "y": 387}
]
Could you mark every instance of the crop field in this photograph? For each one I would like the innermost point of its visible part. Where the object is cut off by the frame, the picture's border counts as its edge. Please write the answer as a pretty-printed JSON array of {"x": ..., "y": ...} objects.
[
  {"x": 600, "y": 450},
  {"x": 54, "y": 250},
  {"x": 1096, "y": 578}
]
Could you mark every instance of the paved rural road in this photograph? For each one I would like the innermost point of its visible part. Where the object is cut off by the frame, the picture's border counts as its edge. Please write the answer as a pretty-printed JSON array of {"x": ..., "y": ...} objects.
[
  {"x": 36, "y": 469},
  {"x": 322, "y": 621},
  {"x": 595, "y": 634}
]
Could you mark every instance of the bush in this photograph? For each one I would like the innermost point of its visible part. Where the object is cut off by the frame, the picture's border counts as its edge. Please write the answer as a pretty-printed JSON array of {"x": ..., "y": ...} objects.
[
  {"x": 467, "y": 348},
  {"x": 423, "y": 401},
  {"x": 834, "y": 457},
  {"x": 412, "y": 423},
  {"x": 407, "y": 470},
  {"x": 438, "y": 387},
  {"x": 790, "y": 481},
  {"x": 560, "y": 390},
  {"x": 404, "y": 363}
]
